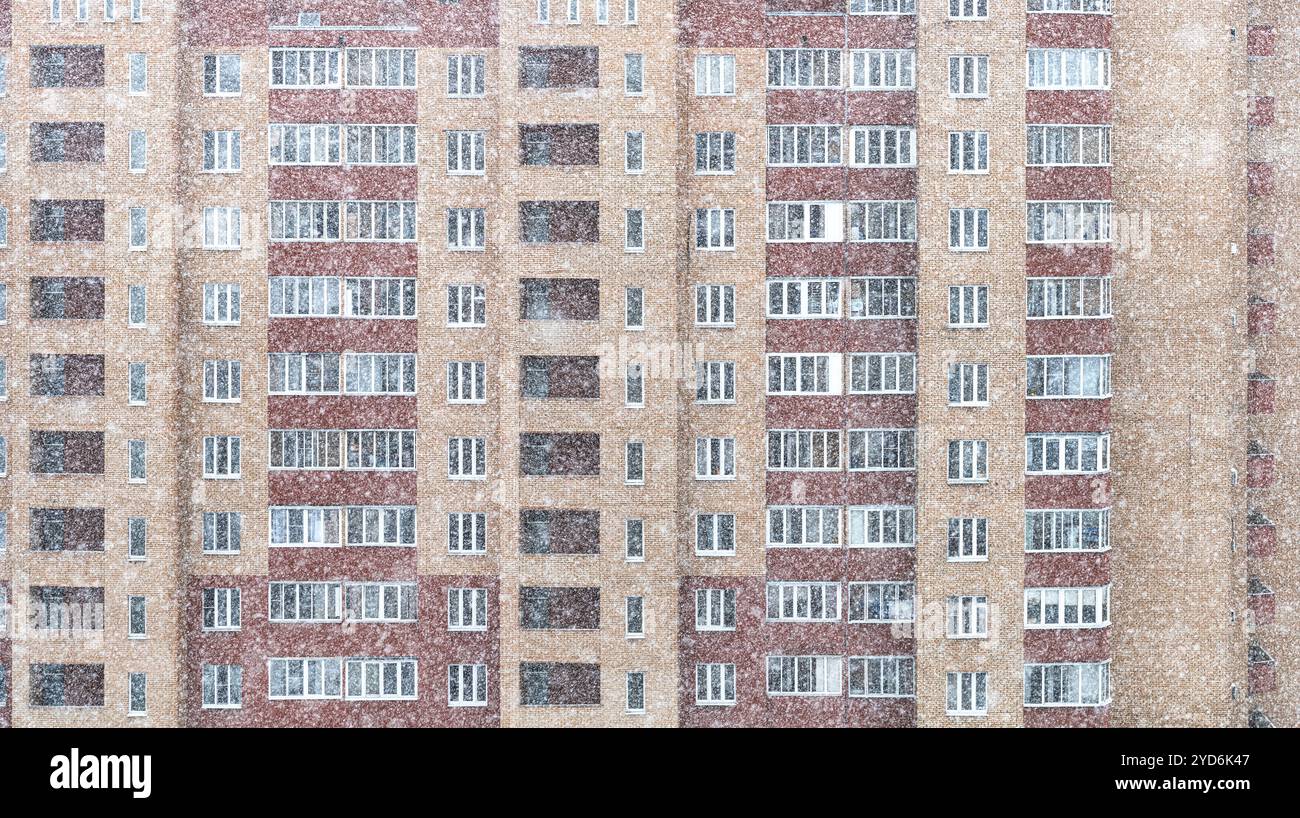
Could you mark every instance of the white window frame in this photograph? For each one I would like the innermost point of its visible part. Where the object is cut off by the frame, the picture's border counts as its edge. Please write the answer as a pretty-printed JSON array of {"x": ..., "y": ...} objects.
[
  {"x": 968, "y": 693},
  {"x": 796, "y": 373},
  {"x": 968, "y": 384},
  {"x": 804, "y": 68},
  {"x": 876, "y": 449},
  {"x": 885, "y": 221},
  {"x": 894, "y": 602},
  {"x": 222, "y": 151},
  {"x": 882, "y": 373},
  {"x": 805, "y": 675},
  {"x": 467, "y": 382},
  {"x": 466, "y": 147},
  {"x": 1067, "y": 145},
  {"x": 882, "y": 677},
  {"x": 715, "y": 75},
  {"x": 463, "y": 601},
  {"x": 968, "y": 229},
  {"x": 804, "y": 527},
  {"x": 1058, "y": 453},
  {"x": 803, "y": 602},
  {"x": 968, "y": 539},
  {"x": 461, "y": 694},
  {"x": 213, "y": 529},
  {"x": 465, "y": 304},
  {"x": 716, "y": 228},
  {"x": 882, "y": 69},
  {"x": 1067, "y": 69},
  {"x": 217, "y": 601},
  {"x": 797, "y": 146},
  {"x": 881, "y": 527},
  {"x": 463, "y": 532},
  {"x": 709, "y": 527},
  {"x": 968, "y": 76},
  {"x": 1062, "y": 530},
  {"x": 805, "y": 222},
  {"x": 1059, "y": 676},
  {"x": 221, "y": 228},
  {"x": 882, "y": 297},
  {"x": 715, "y": 382},
  {"x": 712, "y": 606},
  {"x": 970, "y": 459},
  {"x": 968, "y": 300},
  {"x": 217, "y": 66},
  {"x": 715, "y": 305},
  {"x": 1049, "y": 377},
  {"x": 1049, "y": 607},
  {"x": 457, "y": 467},
  {"x": 805, "y": 450},
  {"x": 715, "y": 684},
  {"x": 968, "y": 616},
  {"x": 715, "y": 148},
  {"x": 1067, "y": 297},
  {"x": 1068, "y": 222},
  {"x": 223, "y": 687}
]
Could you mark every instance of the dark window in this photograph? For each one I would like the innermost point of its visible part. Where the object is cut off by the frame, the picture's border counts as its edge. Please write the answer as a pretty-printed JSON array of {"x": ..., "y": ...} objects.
[
  {"x": 562, "y": 67},
  {"x": 67, "y": 685},
  {"x": 559, "y": 144},
  {"x": 67, "y": 452},
  {"x": 560, "y": 376},
  {"x": 555, "y": 222},
  {"x": 67, "y": 220},
  {"x": 559, "y": 454},
  {"x": 558, "y": 683},
  {"x": 559, "y": 608},
  {"x": 553, "y": 531},
  {"x": 61, "y": 375},
  {"x": 67, "y": 298},
  {"x": 68, "y": 66},
  {"x": 62, "y": 608},
  {"x": 67, "y": 141},
  {"x": 67, "y": 529},
  {"x": 559, "y": 299}
]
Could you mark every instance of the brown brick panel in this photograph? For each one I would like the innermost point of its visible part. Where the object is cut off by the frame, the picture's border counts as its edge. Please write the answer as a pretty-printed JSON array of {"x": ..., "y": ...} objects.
[
  {"x": 1260, "y": 41},
  {"x": 861, "y": 412},
  {"x": 332, "y": 182},
  {"x": 1068, "y": 260},
  {"x": 341, "y": 334},
  {"x": 840, "y": 565},
  {"x": 1063, "y": 570},
  {"x": 804, "y": 106},
  {"x": 340, "y": 412},
  {"x": 1261, "y": 540},
  {"x": 1261, "y": 394},
  {"x": 382, "y": 106},
  {"x": 1260, "y": 471},
  {"x": 1263, "y": 607},
  {"x": 1068, "y": 716},
  {"x": 881, "y": 183},
  {"x": 1262, "y": 678},
  {"x": 1067, "y": 107},
  {"x": 1067, "y": 644},
  {"x": 1069, "y": 336},
  {"x": 1067, "y": 415},
  {"x": 346, "y": 562},
  {"x": 720, "y": 24},
  {"x": 841, "y": 488},
  {"x": 1260, "y": 111},
  {"x": 881, "y": 31},
  {"x": 805, "y": 31},
  {"x": 342, "y": 258},
  {"x": 878, "y": 108},
  {"x": 840, "y": 335},
  {"x": 1068, "y": 491},
  {"x": 1259, "y": 178},
  {"x": 1067, "y": 30},
  {"x": 313, "y": 488},
  {"x": 1067, "y": 183},
  {"x": 1259, "y": 248}
]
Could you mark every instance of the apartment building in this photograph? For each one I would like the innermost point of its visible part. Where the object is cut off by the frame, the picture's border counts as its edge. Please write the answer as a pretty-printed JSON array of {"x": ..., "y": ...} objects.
[{"x": 631, "y": 363}]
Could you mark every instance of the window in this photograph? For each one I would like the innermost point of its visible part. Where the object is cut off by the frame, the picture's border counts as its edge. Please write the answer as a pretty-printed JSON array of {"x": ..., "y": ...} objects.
[
  {"x": 136, "y": 385},
  {"x": 633, "y": 151},
  {"x": 221, "y": 75},
  {"x": 138, "y": 228},
  {"x": 137, "y": 11},
  {"x": 559, "y": 683},
  {"x": 560, "y": 376},
  {"x": 805, "y": 221},
  {"x": 1067, "y": 376},
  {"x": 634, "y": 308},
  {"x": 1071, "y": 6},
  {"x": 1067, "y": 530},
  {"x": 634, "y": 385},
  {"x": 110, "y": 11},
  {"x": 803, "y": 602},
  {"x": 543, "y": 11},
  {"x": 380, "y": 144},
  {"x": 634, "y": 540},
  {"x": 715, "y": 228},
  {"x": 559, "y": 222},
  {"x": 559, "y": 454},
  {"x": 882, "y": 373},
  {"x": 715, "y": 609},
  {"x": 803, "y": 450},
  {"x": 466, "y": 458},
  {"x": 467, "y": 685},
  {"x": 221, "y": 151},
  {"x": 380, "y": 449},
  {"x": 715, "y": 534},
  {"x": 54, "y": 452},
  {"x": 135, "y": 618},
  {"x": 223, "y": 686},
  {"x": 304, "y": 601},
  {"x": 882, "y": 297},
  {"x": 1069, "y": 68},
  {"x": 715, "y": 458},
  {"x": 715, "y": 152},
  {"x": 630, "y": 9},
  {"x": 137, "y": 151},
  {"x": 715, "y": 684},
  {"x": 883, "y": 146},
  {"x": 466, "y": 382},
  {"x": 306, "y": 221},
  {"x": 466, "y": 75},
  {"x": 369, "y": 297},
  {"x": 304, "y": 678},
  {"x": 882, "y": 221},
  {"x": 715, "y": 382},
  {"x": 968, "y": 305},
  {"x": 4, "y": 462},
  {"x": 883, "y": 602},
  {"x": 803, "y": 526},
  {"x": 562, "y": 67},
  {"x": 380, "y": 221},
  {"x": 882, "y": 449},
  {"x": 139, "y": 73},
  {"x": 135, "y": 309},
  {"x": 4, "y": 541},
  {"x": 221, "y": 456},
  {"x": 1061, "y": 145},
  {"x": 466, "y": 152},
  {"x": 968, "y": 384},
  {"x": 1068, "y": 222},
  {"x": 305, "y": 68},
  {"x": 967, "y": 693},
  {"x": 466, "y": 609},
  {"x": 66, "y": 685},
  {"x": 292, "y": 296},
  {"x": 137, "y": 694},
  {"x": 968, "y": 617},
  {"x": 221, "y": 609},
  {"x": 633, "y": 74},
  {"x": 137, "y": 538},
  {"x": 634, "y": 230},
  {"x": 968, "y": 461},
  {"x": 882, "y": 70},
  {"x": 303, "y": 373},
  {"x": 376, "y": 373},
  {"x": 135, "y": 461},
  {"x": 715, "y": 75},
  {"x": 968, "y": 76},
  {"x": 304, "y": 144},
  {"x": 968, "y": 538},
  {"x": 221, "y": 228},
  {"x": 1067, "y": 607},
  {"x": 634, "y": 463},
  {"x": 803, "y": 374},
  {"x": 466, "y": 532},
  {"x": 4, "y": 380},
  {"x": 803, "y": 67},
  {"x": 305, "y": 449},
  {"x": 4, "y": 226},
  {"x": 636, "y": 691},
  {"x": 1073, "y": 297},
  {"x": 380, "y": 68},
  {"x": 634, "y": 617},
  {"x": 882, "y": 527},
  {"x": 715, "y": 305},
  {"x": 1067, "y": 453},
  {"x": 791, "y": 145},
  {"x": 221, "y": 304},
  {"x": 467, "y": 304},
  {"x": 804, "y": 675},
  {"x": 66, "y": 66},
  {"x": 882, "y": 676},
  {"x": 1070, "y": 684},
  {"x": 968, "y": 9},
  {"x": 882, "y": 6},
  {"x": 559, "y": 299},
  {"x": 381, "y": 602},
  {"x": 222, "y": 532},
  {"x": 543, "y": 531}
]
